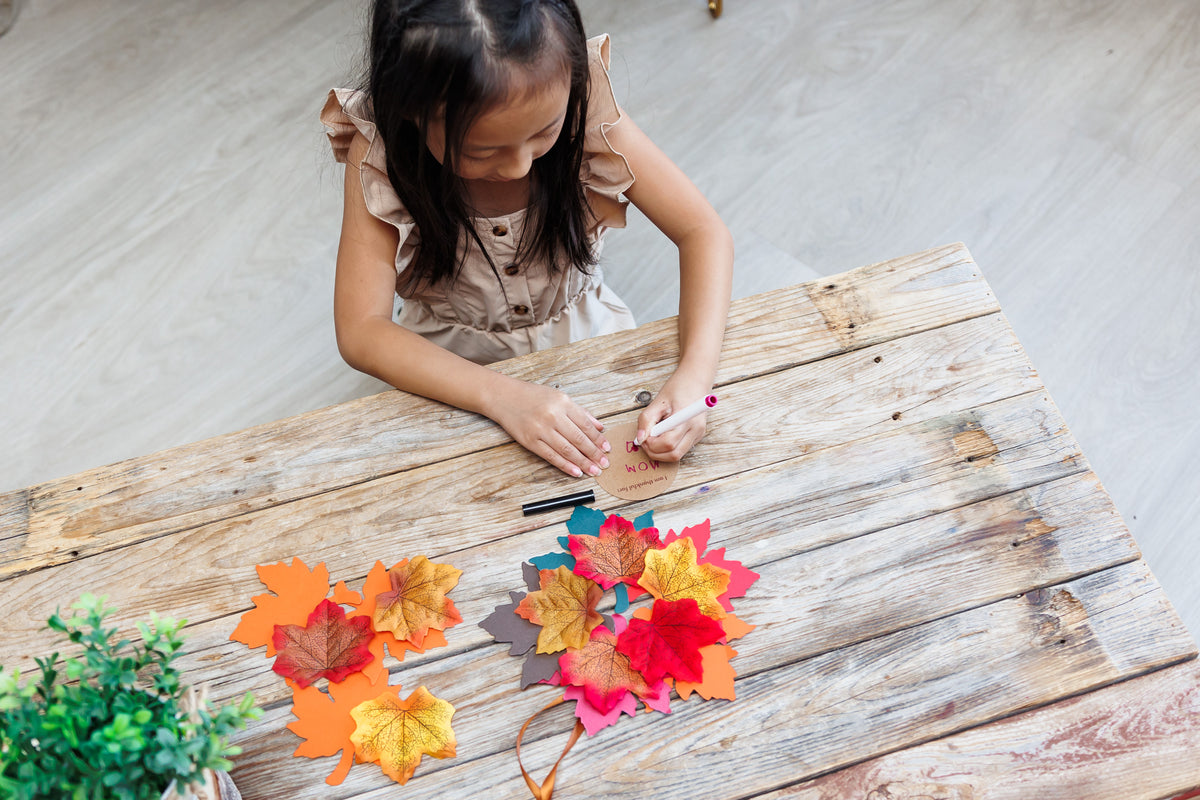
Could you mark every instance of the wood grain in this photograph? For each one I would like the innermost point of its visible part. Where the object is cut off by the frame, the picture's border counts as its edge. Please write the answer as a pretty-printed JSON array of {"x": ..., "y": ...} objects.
[
  {"x": 169, "y": 215},
  {"x": 908, "y": 687},
  {"x": 1136, "y": 740},
  {"x": 367, "y": 520},
  {"x": 392, "y": 432}
]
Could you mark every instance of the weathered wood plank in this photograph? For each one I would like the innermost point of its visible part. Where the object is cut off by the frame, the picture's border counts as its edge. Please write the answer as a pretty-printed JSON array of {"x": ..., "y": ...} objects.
[
  {"x": 828, "y": 598},
  {"x": 236, "y": 474},
  {"x": 880, "y": 695},
  {"x": 1137, "y": 740},
  {"x": 876, "y": 388},
  {"x": 992, "y": 449}
]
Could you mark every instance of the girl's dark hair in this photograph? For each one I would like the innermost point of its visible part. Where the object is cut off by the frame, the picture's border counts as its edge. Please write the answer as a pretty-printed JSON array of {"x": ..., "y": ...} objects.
[{"x": 457, "y": 58}]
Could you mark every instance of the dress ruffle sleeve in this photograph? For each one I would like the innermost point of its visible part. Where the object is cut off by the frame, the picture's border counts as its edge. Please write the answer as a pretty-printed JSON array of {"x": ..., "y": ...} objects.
[
  {"x": 346, "y": 114},
  {"x": 605, "y": 172}
]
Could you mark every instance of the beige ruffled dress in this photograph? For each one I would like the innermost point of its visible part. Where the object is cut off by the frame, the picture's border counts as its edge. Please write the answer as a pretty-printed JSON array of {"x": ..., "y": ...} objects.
[{"x": 485, "y": 316}]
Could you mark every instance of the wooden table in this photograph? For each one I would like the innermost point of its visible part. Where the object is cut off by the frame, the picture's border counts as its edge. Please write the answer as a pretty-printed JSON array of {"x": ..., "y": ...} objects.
[{"x": 950, "y": 606}]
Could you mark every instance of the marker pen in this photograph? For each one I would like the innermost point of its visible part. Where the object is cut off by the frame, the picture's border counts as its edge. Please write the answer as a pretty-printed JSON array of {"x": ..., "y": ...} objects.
[
  {"x": 576, "y": 499},
  {"x": 681, "y": 416}
]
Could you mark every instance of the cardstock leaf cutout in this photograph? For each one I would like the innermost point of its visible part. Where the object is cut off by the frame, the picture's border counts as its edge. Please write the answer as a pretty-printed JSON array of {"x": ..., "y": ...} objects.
[
  {"x": 740, "y": 578},
  {"x": 659, "y": 697},
  {"x": 669, "y": 642},
  {"x": 345, "y": 596},
  {"x": 327, "y": 646},
  {"x": 591, "y": 717},
  {"x": 632, "y": 474},
  {"x": 718, "y": 675},
  {"x": 416, "y": 601},
  {"x": 297, "y": 590},
  {"x": 605, "y": 673},
  {"x": 735, "y": 628},
  {"x": 532, "y": 576},
  {"x": 565, "y": 607},
  {"x": 323, "y": 720},
  {"x": 539, "y": 668},
  {"x": 616, "y": 555},
  {"x": 553, "y": 561},
  {"x": 584, "y": 521},
  {"x": 506, "y": 627},
  {"x": 673, "y": 573},
  {"x": 395, "y": 733}
]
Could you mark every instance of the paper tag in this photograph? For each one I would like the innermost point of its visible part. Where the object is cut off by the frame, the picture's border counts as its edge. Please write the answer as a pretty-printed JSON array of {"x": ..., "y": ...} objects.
[{"x": 633, "y": 475}]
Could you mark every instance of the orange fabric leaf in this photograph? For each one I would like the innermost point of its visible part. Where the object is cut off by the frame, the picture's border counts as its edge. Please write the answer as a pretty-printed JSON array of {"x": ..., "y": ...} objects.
[
  {"x": 377, "y": 582},
  {"x": 326, "y": 646},
  {"x": 617, "y": 555},
  {"x": 673, "y": 574},
  {"x": 718, "y": 674},
  {"x": 323, "y": 720},
  {"x": 565, "y": 607},
  {"x": 396, "y": 732},
  {"x": 603, "y": 671},
  {"x": 416, "y": 601},
  {"x": 297, "y": 590}
]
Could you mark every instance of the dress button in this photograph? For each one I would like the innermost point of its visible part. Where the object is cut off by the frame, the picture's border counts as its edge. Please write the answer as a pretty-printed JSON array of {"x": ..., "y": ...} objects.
[
  {"x": 520, "y": 309},
  {"x": 499, "y": 230},
  {"x": 511, "y": 269}
]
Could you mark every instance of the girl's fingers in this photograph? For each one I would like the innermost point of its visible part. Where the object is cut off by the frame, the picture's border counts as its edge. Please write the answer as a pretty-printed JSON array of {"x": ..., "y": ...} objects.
[
  {"x": 674, "y": 444},
  {"x": 583, "y": 436},
  {"x": 556, "y": 459}
]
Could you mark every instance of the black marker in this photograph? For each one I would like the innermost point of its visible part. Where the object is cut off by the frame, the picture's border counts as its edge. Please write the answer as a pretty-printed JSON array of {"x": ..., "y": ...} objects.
[{"x": 577, "y": 499}]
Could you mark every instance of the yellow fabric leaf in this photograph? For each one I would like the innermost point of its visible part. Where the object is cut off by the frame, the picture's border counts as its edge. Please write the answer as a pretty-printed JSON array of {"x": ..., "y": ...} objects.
[
  {"x": 673, "y": 574},
  {"x": 565, "y": 607},
  {"x": 395, "y": 733}
]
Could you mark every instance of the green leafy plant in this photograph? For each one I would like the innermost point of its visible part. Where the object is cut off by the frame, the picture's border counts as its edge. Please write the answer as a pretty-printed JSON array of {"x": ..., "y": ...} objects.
[{"x": 115, "y": 722}]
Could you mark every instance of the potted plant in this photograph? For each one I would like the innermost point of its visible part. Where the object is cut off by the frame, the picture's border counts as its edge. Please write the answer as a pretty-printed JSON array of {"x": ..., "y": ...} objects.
[{"x": 115, "y": 720}]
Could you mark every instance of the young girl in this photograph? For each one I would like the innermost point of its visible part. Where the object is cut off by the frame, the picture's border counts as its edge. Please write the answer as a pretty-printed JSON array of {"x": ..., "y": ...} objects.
[{"x": 485, "y": 160}]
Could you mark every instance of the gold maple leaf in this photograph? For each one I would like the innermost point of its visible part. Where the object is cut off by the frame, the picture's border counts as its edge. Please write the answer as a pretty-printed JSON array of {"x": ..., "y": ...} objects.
[
  {"x": 417, "y": 600},
  {"x": 673, "y": 574},
  {"x": 565, "y": 607},
  {"x": 395, "y": 733}
]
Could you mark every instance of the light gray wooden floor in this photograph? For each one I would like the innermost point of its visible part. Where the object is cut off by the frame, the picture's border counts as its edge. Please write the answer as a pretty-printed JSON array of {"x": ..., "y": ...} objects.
[{"x": 169, "y": 211}]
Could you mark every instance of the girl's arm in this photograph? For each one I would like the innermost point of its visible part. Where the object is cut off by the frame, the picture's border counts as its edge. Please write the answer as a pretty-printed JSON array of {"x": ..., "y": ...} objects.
[
  {"x": 677, "y": 208},
  {"x": 541, "y": 419}
]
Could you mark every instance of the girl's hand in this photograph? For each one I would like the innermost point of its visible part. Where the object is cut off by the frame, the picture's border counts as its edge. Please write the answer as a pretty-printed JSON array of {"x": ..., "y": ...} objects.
[
  {"x": 677, "y": 393},
  {"x": 548, "y": 424}
]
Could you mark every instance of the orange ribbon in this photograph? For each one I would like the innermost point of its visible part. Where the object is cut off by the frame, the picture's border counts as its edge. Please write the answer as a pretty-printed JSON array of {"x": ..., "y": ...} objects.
[{"x": 546, "y": 790}]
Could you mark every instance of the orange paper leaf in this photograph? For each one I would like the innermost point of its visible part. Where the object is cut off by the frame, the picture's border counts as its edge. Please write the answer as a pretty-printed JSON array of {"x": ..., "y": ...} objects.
[
  {"x": 565, "y": 607},
  {"x": 323, "y": 720},
  {"x": 673, "y": 574},
  {"x": 297, "y": 591},
  {"x": 396, "y": 732},
  {"x": 718, "y": 674},
  {"x": 416, "y": 601}
]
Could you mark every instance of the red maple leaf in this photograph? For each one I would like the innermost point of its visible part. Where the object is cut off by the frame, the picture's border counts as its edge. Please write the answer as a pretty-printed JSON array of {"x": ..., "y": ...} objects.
[
  {"x": 669, "y": 642},
  {"x": 329, "y": 646},
  {"x": 617, "y": 555},
  {"x": 605, "y": 674}
]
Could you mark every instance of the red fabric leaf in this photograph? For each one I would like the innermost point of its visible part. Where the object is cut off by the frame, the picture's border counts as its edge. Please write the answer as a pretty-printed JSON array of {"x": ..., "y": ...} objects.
[
  {"x": 605, "y": 674},
  {"x": 669, "y": 642},
  {"x": 617, "y": 555},
  {"x": 329, "y": 646}
]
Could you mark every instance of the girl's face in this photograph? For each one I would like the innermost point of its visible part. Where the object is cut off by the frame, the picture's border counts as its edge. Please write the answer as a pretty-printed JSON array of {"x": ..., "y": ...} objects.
[{"x": 503, "y": 142}]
